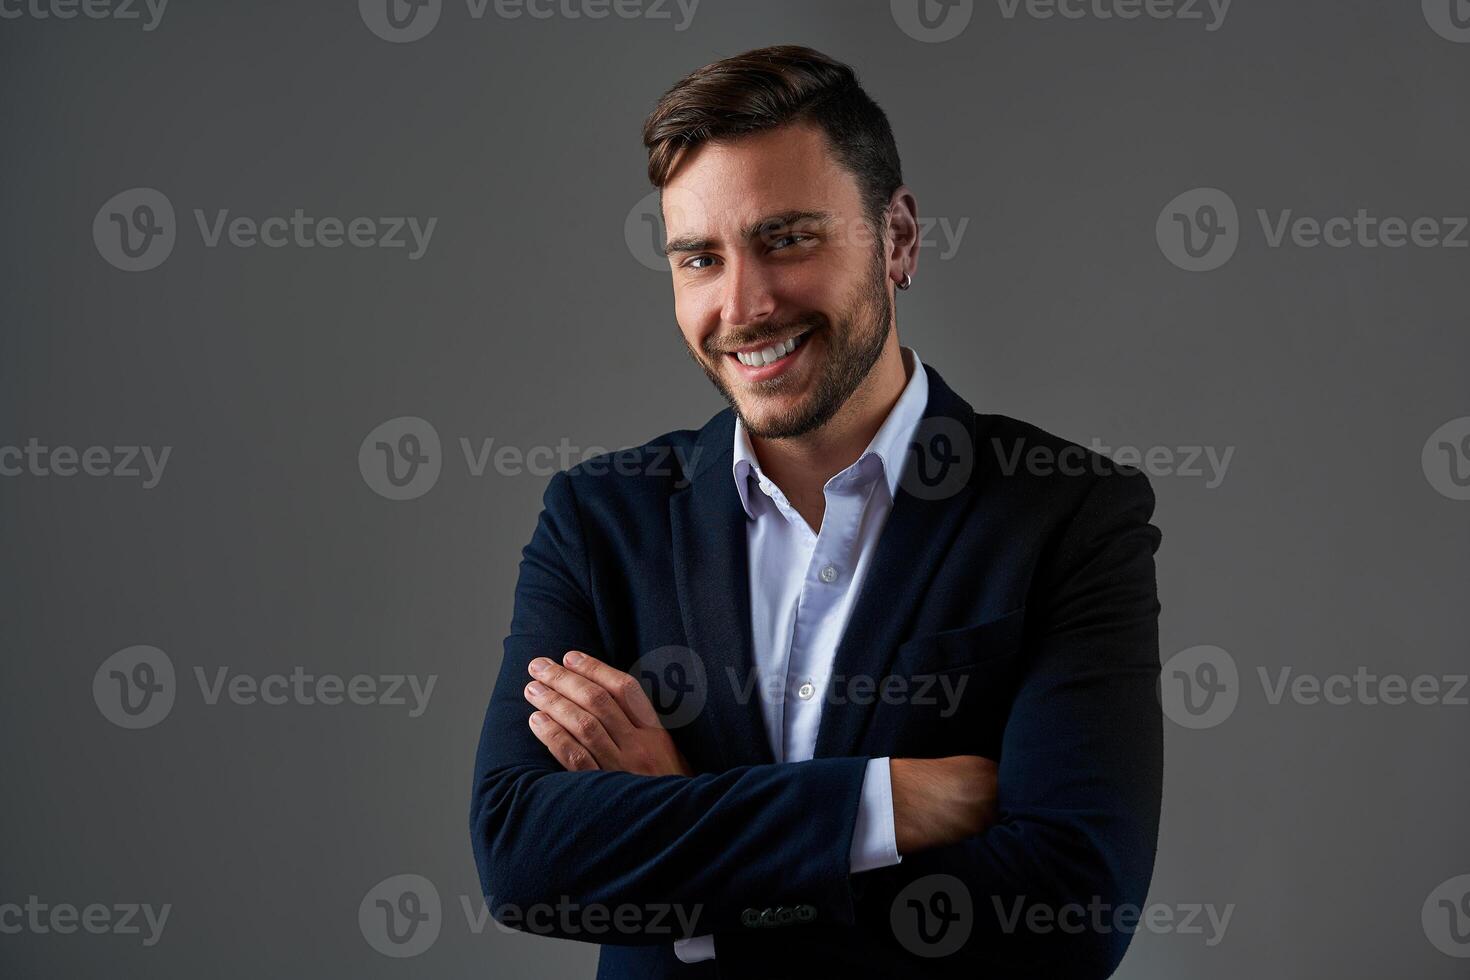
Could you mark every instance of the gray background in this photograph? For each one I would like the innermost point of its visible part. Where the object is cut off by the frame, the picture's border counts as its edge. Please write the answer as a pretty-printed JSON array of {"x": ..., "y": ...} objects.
[{"x": 529, "y": 320}]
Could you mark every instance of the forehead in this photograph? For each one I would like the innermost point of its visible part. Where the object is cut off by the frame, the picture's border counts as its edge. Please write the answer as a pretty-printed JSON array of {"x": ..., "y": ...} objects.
[{"x": 731, "y": 182}]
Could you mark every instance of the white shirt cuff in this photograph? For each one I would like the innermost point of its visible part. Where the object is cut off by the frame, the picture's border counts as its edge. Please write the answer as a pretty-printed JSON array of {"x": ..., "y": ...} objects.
[
  {"x": 695, "y": 948},
  {"x": 873, "y": 842}
]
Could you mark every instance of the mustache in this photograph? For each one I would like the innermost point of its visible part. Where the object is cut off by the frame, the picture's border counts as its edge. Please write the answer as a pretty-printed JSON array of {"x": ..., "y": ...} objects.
[{"x": 728, "y": 345}]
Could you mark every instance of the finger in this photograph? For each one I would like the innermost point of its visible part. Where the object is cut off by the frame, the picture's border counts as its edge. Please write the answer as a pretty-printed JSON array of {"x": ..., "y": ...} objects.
[
  {"x": 593, "y": 698},
  {"x": 565, "y": 749},
  {"x": 624, "y": 688},
  {"x": 578, "y": 723}
]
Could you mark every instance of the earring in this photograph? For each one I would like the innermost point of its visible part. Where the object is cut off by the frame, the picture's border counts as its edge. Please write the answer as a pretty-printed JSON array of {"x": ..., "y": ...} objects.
[{"x": 908, "y": 281}]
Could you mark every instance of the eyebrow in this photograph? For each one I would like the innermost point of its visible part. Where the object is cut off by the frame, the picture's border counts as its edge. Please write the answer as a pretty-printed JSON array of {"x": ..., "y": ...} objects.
[{"x": 695, "y": 243}]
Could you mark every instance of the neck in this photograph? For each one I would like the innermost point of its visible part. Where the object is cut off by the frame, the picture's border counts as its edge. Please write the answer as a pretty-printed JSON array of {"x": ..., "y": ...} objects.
[{"x": 802, "y": 465}]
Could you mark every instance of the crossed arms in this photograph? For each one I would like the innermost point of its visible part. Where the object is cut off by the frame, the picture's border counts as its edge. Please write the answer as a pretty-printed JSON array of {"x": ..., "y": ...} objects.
[{"x": 595, "y": 805}]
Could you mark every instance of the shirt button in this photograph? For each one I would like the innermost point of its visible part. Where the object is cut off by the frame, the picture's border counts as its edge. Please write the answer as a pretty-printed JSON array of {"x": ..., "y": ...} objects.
[
  {"x": 828, "y": 573},
  {"x": 806, "y": 691}
]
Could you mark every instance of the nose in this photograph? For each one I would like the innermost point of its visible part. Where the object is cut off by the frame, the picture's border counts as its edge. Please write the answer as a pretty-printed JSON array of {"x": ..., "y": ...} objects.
[{"x": 748, "y": 291}]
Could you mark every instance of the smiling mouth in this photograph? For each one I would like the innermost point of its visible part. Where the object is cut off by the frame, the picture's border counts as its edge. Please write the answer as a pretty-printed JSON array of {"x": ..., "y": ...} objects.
[{"x": 771, "y": 353}]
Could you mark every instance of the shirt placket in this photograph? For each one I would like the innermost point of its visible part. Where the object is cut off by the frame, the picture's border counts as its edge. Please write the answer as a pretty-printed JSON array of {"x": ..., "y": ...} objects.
[{"x": 828, "y": 575}]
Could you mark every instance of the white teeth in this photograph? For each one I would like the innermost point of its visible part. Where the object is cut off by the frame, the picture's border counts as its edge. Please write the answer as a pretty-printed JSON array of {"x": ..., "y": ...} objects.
[{"x": 766, "y": 355}]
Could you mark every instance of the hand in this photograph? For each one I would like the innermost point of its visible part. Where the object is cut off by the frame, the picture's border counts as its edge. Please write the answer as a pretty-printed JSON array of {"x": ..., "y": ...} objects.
[
  {"x": 593, "y": 716},
  {"x": 941, "y": 801}
]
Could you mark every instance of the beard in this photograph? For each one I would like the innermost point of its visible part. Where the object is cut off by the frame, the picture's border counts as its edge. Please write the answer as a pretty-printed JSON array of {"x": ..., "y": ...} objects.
[{"x": 852, "y": 347}]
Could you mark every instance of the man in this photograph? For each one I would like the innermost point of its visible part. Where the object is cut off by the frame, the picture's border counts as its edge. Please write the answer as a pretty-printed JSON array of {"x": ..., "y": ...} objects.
[{"x": 913, "y": 649}]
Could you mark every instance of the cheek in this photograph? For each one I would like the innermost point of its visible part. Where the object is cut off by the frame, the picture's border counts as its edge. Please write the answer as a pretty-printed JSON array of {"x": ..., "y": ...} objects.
[{"x": 695, "y": 317}]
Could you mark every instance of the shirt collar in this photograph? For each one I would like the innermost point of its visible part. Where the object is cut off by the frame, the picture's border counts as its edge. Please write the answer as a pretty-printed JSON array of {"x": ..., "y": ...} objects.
[{"x": 889, "y": 446}]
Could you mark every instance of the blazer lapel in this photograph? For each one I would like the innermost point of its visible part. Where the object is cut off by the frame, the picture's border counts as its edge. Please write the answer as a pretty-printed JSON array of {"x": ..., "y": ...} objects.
[
  {"x": 909, "y": 552},
  {"x": 712, "y": 580}
]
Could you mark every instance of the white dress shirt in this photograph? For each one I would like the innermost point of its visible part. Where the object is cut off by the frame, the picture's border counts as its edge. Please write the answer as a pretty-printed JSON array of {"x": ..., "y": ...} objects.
[{"x": 803, "y": 585}]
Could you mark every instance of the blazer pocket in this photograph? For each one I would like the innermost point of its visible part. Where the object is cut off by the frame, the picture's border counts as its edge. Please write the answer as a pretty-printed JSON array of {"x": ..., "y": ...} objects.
[{"x": 994, "y": 640}]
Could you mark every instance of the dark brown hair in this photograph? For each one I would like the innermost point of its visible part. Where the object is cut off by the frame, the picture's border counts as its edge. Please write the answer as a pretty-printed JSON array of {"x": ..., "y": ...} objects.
[{"x": 771, "y": 87}]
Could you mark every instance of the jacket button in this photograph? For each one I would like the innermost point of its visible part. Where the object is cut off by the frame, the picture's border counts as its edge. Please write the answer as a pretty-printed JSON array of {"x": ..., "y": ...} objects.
[
  {"x": 750, "y": 918},
  {"x": 768, "y": 917},
  {"x": 785, "y": 916},
  {"x": 805, "y": 913}
]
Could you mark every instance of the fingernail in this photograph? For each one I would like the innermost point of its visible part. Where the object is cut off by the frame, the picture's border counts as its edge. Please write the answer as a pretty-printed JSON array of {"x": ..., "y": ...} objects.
[
  {"x": 538, "y": 719},
  {"x": 572, "y": 659},
  {"x": 539, "y": 665},
  {"x": 536, "y": 688}
]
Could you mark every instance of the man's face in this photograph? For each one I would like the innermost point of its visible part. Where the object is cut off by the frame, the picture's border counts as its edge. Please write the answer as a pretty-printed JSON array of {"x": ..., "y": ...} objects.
[{"x": 769, "y": 248}]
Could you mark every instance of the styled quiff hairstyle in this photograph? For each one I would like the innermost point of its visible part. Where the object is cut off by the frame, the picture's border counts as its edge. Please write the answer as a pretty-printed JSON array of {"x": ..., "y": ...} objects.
[{"x": 771, "y": 87}]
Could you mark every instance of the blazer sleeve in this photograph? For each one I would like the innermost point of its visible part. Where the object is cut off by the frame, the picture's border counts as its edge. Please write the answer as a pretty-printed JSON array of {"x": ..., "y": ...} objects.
[
  {"x": 695, "y": 853},
  {"x": 1081, "y": 768}
]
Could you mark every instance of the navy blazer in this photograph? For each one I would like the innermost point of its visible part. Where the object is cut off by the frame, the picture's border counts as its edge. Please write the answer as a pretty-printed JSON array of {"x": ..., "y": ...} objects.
[{"x": 1015, "y": 567}]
